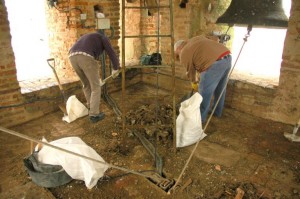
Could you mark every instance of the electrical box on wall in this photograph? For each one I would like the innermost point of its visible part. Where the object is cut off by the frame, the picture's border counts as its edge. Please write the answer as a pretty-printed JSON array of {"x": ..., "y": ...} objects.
[
  {"x": 103, "y": 23},
  {"x": 83, "y": 17}
]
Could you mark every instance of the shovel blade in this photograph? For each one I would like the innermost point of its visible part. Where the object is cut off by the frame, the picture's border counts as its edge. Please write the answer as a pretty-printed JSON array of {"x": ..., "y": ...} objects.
[{"x": 292, "y": 137}]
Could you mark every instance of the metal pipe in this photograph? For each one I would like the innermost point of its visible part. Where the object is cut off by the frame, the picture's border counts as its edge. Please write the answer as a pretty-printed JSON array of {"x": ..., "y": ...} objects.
[
  {"x": 70, "y": 152},
  {"x": 142, "y": 36}
]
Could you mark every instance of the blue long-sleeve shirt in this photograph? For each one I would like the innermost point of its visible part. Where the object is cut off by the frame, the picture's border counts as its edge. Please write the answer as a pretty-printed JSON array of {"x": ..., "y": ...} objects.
[{"x": 94, "y": 44}]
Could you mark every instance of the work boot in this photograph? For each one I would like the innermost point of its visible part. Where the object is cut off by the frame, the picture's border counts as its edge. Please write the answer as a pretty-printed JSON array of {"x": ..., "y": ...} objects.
[{"x": 97, "y": 118}]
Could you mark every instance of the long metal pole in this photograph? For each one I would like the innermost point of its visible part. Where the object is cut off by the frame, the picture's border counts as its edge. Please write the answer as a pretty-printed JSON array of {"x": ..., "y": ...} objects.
[
  {"x": 70, "y": 152},
  {"x": 173, "y": 74}
]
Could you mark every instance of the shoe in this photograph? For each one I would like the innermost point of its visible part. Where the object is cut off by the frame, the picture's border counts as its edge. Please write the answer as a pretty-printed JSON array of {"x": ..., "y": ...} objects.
[{"x": 97, "y": 118}]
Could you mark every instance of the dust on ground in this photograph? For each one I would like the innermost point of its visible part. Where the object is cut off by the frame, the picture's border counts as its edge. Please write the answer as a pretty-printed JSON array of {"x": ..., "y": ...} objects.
[{"x": 240, "y": 153}]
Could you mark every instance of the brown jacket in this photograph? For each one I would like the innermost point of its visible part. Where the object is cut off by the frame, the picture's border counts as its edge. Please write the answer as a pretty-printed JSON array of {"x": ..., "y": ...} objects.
[{"x": 199, "y": 53}]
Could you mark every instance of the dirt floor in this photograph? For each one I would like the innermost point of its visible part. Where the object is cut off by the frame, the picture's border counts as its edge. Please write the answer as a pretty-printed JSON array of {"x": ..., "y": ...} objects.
[{"x": 241, "y": 153}]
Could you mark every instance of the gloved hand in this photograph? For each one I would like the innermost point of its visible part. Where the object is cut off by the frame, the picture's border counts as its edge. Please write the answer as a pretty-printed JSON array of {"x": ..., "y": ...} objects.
[
  {"x": 102, "y": 82},
  {"x": 115, "y": 73},
  {"x": 195, "y": 86}
]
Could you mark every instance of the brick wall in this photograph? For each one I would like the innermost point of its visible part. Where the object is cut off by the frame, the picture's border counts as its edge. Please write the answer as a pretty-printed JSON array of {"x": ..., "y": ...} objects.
[
  {"x": 132, "y": 19},
  {"x": 12, "y": 103},
  {"x": 286, "y": 104},
  {"x": 280, "y": 103},
  {"x": 188, "y": 22},
  {"x": 65, "y": 27}
]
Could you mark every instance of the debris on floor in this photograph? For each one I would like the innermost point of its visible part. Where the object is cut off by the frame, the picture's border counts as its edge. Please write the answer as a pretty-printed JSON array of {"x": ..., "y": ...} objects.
[{"x": 241, "y": 153}]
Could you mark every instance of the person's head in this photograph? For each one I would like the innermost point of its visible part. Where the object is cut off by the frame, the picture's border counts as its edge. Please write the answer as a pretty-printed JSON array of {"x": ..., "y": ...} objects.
[{"x": 177, "y": 47}]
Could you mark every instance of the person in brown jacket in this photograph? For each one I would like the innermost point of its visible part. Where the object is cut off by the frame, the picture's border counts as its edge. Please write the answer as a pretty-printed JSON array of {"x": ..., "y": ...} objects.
[{"x": 213, "y": 61}]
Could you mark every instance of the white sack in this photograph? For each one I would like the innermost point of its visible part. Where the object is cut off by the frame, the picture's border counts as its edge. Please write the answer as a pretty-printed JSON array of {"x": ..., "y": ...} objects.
[
  {"x": 188, "y": 123},
  {"x": 78, "y": 168},
  {"x": 75, "y": 109}
]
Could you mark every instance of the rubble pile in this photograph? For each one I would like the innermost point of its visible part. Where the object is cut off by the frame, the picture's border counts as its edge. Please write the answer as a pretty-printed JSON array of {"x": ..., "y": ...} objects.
[{"x": 155, "y": 118}]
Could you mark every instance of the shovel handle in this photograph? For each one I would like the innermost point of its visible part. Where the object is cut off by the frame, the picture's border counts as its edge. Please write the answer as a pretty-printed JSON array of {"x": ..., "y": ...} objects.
[
  {"x": 51, "y": 60},
  {"x": 54, "y": 71},
  {"x": 109, "y": 77},
  {"x": 56, "y": 76}
]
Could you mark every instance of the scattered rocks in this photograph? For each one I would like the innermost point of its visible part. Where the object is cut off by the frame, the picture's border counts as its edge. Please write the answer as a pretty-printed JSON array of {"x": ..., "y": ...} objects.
[{"x": 156, "y": 119}]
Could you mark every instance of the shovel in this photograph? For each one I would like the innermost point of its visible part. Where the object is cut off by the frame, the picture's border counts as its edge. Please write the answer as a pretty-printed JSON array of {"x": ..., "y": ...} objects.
[
  {"x": 109, "y": 77},
  {"x": 51, "y": 63},
  {"x": 293, "y": 137}
]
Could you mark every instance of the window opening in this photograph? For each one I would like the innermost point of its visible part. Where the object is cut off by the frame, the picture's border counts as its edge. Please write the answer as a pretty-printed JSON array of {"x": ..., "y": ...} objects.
[
  {"x": 262, "y": 55},
  {"x": 29, "y": 38}
]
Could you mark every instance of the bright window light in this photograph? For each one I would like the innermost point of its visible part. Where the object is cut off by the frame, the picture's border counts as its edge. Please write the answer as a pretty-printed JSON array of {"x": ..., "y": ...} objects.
[
  {"x": 262, "y": 54},
  {"x": 29, "y": 38}
]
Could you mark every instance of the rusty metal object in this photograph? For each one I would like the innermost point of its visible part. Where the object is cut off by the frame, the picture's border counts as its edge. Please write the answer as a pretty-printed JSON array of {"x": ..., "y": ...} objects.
[
  {"x": 151, "y": 119},
  {"x": 163, "y": 183},
  {"x": 151, "y": 149}
]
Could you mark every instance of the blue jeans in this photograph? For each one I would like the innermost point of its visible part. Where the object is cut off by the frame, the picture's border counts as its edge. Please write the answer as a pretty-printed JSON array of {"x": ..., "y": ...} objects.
[{"x": 212, "y": 81}]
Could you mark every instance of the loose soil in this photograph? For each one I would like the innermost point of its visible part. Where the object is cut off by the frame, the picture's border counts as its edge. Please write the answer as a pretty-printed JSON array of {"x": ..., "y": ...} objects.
[{"x": 240, "y": 153}]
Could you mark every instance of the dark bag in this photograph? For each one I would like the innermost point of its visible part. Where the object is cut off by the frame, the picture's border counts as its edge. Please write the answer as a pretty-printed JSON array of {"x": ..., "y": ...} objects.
[
  {"x": 155, "y": 59},
  {"x": 145, "y": 59}
]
